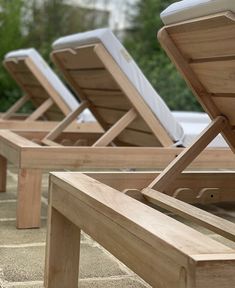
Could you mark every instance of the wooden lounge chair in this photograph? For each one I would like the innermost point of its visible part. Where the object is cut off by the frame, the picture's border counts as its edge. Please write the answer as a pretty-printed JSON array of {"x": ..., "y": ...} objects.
[
  {"x": 163, "y": 251},
  {"x": 135, "y": 124},
  {"x": 40, "y": 85}
]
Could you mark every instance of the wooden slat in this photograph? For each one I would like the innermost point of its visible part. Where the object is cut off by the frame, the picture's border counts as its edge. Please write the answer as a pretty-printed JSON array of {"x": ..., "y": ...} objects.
[
  {"x": 111, "y": 116},
  {"x": 37, "y": 92},
  {"x": 16, "y": 65},
  {"x": 95, "y": 79},
  {"x": 137, "y": 138},
  {"x": 108, "y": 99},
  {"x": 187, "y": 211},
  {"x": 216, "y": 76},
  {"x": 226, "y": 106},
  {"x": 83, "y": 58},
  {"x": 27, "y": 78},
  {"x": 195, "y": 39}
]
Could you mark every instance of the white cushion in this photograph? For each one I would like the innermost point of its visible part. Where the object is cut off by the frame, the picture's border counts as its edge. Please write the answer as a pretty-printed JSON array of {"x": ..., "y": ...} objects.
[
  {"x": 131, "y": 70},
  {"x": 44, "y": 68},
  {"x": 190, "y": 9},
  {"x": 193, "y": 124}
]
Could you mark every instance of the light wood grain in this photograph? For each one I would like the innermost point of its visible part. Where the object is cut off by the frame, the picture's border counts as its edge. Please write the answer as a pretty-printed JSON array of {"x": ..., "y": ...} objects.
[
  {"x": 116, "y": 129},
  {"x": 15, "y": 107},
  {"x": 188, "y": 155},
  {"x": 3, "y": 173},
  {"x": 66, "y": 122},
  {"x": 140, "y": 236},
  {"x": 62, "y": 258},
  {"x": 29, "y": 198},
  {"x": 214, "y": 223}
]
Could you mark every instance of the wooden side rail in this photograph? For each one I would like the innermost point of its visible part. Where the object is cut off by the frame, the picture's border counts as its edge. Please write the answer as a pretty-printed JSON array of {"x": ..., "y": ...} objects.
[
  {"x": 161, "y": 250},
  {"x": 199, "y": 216}
]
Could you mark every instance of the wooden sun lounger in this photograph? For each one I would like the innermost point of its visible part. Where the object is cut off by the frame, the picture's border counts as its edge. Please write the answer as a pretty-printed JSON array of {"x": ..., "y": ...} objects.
[
  {"x": 131, "y": 139},
  {"x": 51, "y": 107},
  {"x": 163, "y": 251}
]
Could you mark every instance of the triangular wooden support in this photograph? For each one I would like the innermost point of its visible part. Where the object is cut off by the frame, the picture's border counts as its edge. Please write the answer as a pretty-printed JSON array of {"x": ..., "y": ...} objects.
[
  {"x": 40, "y": 110},
  {"x": 116, "y": 129},
  {"x": 49, "y": 139},
  {"x": 164, "y": 180},
  {"x": 13, "y": 109}
]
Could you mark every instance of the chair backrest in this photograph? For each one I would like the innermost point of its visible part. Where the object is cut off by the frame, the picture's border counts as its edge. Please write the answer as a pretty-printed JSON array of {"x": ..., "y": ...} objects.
[
  {"x": 39, "y": 82},
  {"x": 101, "y": 71},
  {"x": 203, "y": 49}
]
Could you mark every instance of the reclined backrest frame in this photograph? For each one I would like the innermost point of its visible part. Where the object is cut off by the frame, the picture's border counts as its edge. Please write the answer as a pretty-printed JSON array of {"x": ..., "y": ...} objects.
[
  {"x": 204, "y": 52},
  {"x": 37, "y": 88},
  {"x": 102, "y": 86}
]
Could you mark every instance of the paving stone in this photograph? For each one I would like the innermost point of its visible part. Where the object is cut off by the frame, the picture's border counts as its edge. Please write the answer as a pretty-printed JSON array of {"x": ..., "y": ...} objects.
[
  {"x": 110, "y": 283},
  {"x": 128, "y": 282},
  {"x": 9, "y": 235},
  {"x": 97, "y": 263},
  {"x": 22, "y": 264},
  {"x": 25, "y": 285},
  {"x": 9, "y": 195},
  {"x": 27, "y": 263},
  {"x": 8, "y": 210}
]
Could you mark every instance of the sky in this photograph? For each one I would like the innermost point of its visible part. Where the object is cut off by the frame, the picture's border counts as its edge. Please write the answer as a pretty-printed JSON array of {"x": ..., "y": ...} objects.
[{"x": 117, "y": 8}]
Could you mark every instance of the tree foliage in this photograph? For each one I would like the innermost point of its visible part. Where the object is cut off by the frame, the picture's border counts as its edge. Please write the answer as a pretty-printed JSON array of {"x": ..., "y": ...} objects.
[
  {"x": 11, "y": 39},
  {"x": 34, "y": 23},
  {"x": 143, "y": 45}
]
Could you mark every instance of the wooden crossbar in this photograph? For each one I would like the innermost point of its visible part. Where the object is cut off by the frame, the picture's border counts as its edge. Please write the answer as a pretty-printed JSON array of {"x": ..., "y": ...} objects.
[
  {"x": 40, "y": 110},
  {"x": 15, "y": 107},
  {"x": 164, "y": 180},
  {"x": 49, "y": 139},
  {"x": 116, "y": 129}
]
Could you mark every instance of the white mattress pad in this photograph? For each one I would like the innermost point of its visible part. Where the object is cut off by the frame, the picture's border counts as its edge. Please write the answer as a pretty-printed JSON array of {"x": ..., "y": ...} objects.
[
  {"x": 189, "y": 9},
  {"x": 193, "y": 124}
]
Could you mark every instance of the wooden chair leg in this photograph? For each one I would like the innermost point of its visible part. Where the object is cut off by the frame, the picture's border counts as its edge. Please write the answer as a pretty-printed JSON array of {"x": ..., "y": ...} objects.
[
  {"x": 3, "y": 174},
  {"x": 29, "y": 198},
  {"x": 63, "y": 251}
]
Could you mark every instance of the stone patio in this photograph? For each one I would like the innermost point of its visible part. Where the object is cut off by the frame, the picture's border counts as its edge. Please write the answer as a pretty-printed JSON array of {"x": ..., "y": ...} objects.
[{"x": 22, "y": 251}]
